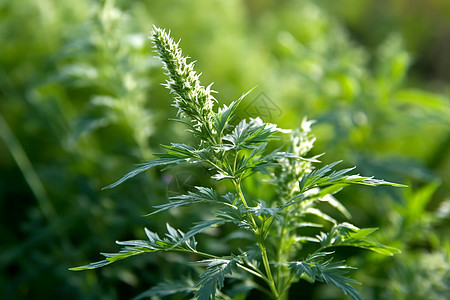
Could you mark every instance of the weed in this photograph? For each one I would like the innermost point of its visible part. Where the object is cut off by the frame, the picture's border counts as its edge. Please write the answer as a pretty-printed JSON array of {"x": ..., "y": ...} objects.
[{"x": 278, "y": 254}]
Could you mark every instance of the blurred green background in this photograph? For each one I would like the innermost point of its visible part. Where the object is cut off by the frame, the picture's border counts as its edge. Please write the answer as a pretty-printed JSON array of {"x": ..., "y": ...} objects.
[{"x": 81, "y": 102}]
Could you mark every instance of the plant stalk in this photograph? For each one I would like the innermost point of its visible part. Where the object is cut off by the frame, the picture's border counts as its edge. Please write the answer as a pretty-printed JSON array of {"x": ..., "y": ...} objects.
[{"x": 261, "y": 245}]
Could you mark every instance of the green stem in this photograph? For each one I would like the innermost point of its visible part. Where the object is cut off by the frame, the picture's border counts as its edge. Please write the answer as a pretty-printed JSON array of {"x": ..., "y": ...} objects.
[
  {"x": 259, "y": 239},
  {"x": 279, "y": 254},
  {"x": 267, "y": 268},
  {"x": 237, "y": 185},
  {"x": 253, "y": 272}
]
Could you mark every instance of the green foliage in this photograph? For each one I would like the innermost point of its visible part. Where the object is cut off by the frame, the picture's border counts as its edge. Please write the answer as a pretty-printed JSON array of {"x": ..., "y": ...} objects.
[
  {"x": 175, "y": 240},
  {"x": 234, "y": 153},
  {"x": 214, "y": 276},
  {"x": 331, "y": 273},
  {"x": 80, "y": 101}
]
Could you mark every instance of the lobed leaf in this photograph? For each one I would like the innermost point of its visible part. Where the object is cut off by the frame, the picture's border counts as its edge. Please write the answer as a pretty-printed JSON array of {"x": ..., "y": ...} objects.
[
  {"x": 225, "y": 114},
  {"x": 346, "y": 234},
  {"x": 167, "y": 288},
  {"x": 321, "y": 177},
  {"x": 214, "y": 276},
  {"x": 202, "y": 195},
  {"x": 200, "y": 227},
  {"x": 175, "y": 240},
  {"x": 326, "y": 271},
  {"x": 248, "y": 134}
]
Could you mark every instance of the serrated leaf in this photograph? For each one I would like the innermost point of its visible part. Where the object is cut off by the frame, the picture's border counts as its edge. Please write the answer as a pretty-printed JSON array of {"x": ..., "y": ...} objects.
[
  {"x": 261, "y": 209},
  {"x": 200, "y": 227},
  {"x": 321, "y": 177},
  {"x": 330, "y": 273},
  {"x": 169, "y": 205},
  {"x": 224, "y": 115},
  {"x": 181, "y": 151},
  {"x": 346, "y": 234},
  {"x": 214, "y": 276},
  {"x": 113, "y": 257},
  {"x": 202, "y": 195},
  {"x": 248, "y": 134},
  {"x": 175, "y": 240},
  {"x": 167, "y": 288}
]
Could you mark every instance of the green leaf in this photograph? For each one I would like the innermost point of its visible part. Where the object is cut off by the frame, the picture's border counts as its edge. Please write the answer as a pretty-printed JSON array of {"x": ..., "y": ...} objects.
[
  {"x": 248, "y": 134},
  {"x": 200, "y": 227},
  {"x": 330, "y": 273},
  {"x": 165, "y": 161},
  {"x": 336, "y": 204},
  {"x": 167, "y": 288},
  {"x": 181, "y": 151},
  {"x": 321, "y": 177},
  {"x": 346, "y": 234},
  {"x": 225, "y": 114},
  {"x": 262, "y": 210},
  {"x": 202, "y": 195},
  {"x": 175, "y": 240},
  {"x": 318, "y": 213},
  {"x": 214, "y": 276},
  {"x": 271, "y": 160}
]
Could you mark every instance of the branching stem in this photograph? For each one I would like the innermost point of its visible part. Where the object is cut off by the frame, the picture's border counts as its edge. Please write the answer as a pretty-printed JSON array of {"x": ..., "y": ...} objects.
[{"x": 260, "y": 241}]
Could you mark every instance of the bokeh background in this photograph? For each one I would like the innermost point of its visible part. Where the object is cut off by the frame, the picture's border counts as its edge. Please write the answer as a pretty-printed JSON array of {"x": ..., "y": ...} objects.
[{"x": 81, "y": 102}]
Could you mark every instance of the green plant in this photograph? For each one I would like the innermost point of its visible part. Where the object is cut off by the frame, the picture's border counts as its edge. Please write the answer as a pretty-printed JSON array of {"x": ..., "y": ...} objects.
[{"x": 290, "y": 236}]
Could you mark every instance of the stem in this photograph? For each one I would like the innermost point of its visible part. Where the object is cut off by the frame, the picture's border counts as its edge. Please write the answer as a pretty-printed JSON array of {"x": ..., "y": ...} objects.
[
  {"x": 193, "y": 252},
  {"x": 259, "y": 239},
  {"x": 279, "y": 254},
  {"x": 267, "y": 268},
  {"x": 237, "y": 185},
  {"x": 253, "y": 272}
]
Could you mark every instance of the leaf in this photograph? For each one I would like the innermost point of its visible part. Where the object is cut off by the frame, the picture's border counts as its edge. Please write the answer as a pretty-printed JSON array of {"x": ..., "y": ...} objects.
[
  {"x": 320, "y": 214},
  {"x": 272, "y": 160},
  {"x": 336, "y": 204},
  {"x": 248, "y": 134},
  {"x": 201, "y": 226},
  {"x": 181, "y": 151},
  {"x": 167, "y": 288},
  {"x": 225, "y": 114},
  {"x": 169, "y": 205},
  {"x": 346, "y": 234},
  {"x": 166, "y": 161},
  {"x": 306, "y": 239},
  {"x": 314, "y": 194},
  {"x": 321, "y": 177},
  {"x": 202, "y": 195},
  {"x": 262, "y": 210},
  {"x": 214, "y": 276},
  {"x": 330, "y": 273},
  {"x": 236, "y": 216},
  {"x": 175, "y": 240}
]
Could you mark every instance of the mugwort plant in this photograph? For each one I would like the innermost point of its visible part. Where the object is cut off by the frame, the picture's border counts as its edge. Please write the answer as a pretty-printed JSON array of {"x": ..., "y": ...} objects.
[{"x": 278, "y": 255}]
